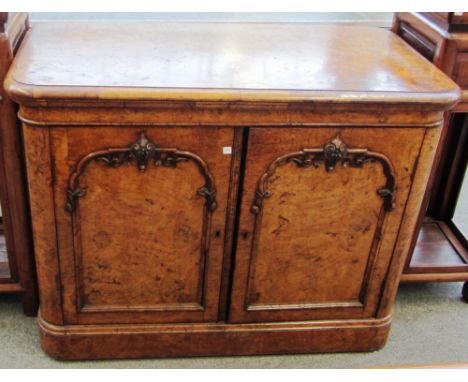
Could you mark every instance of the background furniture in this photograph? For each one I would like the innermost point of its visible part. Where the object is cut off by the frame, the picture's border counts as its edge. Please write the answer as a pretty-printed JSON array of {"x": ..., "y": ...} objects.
[
  {"x": 441, "y": 252},
  {"x": 237, "y": 192},
  {"x": 17, "y": 273}
]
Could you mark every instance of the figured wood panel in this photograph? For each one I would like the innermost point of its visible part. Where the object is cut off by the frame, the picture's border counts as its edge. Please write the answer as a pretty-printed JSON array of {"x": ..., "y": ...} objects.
[
  {"x": 321, "y": 245},
  {"x": 316, "y": 234},
  {"x": 143, "y": 245}
]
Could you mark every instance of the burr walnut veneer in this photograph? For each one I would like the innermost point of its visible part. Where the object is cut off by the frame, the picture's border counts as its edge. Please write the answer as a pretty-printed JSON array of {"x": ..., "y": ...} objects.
[{"x": 201, "y": 189}]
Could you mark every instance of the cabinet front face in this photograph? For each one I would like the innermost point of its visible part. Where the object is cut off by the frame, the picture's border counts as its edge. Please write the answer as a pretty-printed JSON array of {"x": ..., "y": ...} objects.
[
  {"x": 320, "y": 213},
  {"x": 140, "y": 216}
]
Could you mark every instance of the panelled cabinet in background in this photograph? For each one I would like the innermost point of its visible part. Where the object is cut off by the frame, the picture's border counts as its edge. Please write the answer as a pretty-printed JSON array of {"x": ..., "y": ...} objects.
[
  {"x": 249, "y": 191},
  {"x": 441, "y": 252},
  {"x": 17, "y": 272}
]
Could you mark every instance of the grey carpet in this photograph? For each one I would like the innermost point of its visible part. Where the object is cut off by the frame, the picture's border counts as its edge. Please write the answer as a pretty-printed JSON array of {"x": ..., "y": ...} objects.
[{"x": 430, "y": 327}]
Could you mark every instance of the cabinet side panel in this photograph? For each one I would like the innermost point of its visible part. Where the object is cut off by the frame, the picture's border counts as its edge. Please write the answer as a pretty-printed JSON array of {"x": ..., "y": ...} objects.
[
  {"x": 40, "y": 182},
  {"x": 410, "y": 219}
]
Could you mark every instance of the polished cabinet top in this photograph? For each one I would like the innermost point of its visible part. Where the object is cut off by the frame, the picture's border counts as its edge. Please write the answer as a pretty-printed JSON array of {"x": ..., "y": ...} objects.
[{"x": 223, "y": 61}]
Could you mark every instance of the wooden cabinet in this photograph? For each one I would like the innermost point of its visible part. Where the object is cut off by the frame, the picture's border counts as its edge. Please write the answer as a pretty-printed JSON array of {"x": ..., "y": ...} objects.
[
  {"x": 228, "y": 193},
  {"x": 439, "y": 250},
  {"x": 17, "y": 273}
]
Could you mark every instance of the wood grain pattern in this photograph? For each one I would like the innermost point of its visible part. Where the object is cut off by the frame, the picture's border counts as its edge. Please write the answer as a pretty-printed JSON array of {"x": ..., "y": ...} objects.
[
  {"x": 434, "y": 250},
  {"x": 144, "y": 341},
  {"x": 235, "y": 114},
  {"x": 41, "y": 199},
  {"x": 143, "y": 244},
  {"x": 315, "y": 220},
  {"x": 239, "y": 62},
  {"x": 317, "y": 272},
  {"x": 408, "y": 227},
  {"x": 448, "y": 44}
]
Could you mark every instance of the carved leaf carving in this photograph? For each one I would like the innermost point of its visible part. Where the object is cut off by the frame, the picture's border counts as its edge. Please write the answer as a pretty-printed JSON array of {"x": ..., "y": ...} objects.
[
  {"x": 332, "y": 153},
  {"x": 141, "y": 152}
]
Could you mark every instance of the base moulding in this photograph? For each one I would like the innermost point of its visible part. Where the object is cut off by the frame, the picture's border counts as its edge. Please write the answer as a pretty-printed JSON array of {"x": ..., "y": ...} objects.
[{"x": 75, "y": 342}]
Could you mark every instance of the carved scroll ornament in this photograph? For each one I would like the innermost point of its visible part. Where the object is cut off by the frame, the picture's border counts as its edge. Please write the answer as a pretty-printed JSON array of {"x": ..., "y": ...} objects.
[
  {"x": 330, "y": 155},
  {"x": 141, "y": 152}
]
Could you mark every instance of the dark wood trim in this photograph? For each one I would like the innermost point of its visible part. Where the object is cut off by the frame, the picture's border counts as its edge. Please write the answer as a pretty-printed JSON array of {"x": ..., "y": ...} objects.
[
  {"x": 457, "y": 239},
  {"x": 422, "y": 30},
  {"x": 3, "y": 21},
  {"x": 435, "y": 277},
  {"x": 13, "y": 190},
  {"x": 417, "y": 40},
  {"x": 239, "y": 146},
  {"x": 11, "y": 287},
  {"x": 451, "y": 171},
  {"x": 451, "y": 269}
]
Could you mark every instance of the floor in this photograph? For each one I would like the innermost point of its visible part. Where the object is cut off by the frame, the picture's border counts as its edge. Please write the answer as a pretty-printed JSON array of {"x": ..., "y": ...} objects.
[{"x": 430, "y": 327}]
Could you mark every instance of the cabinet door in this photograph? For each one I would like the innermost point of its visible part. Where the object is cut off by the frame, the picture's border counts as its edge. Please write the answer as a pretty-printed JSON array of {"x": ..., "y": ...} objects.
[
  {"x": 320, "y": 212},
  {"x": 140, "y": 216}
]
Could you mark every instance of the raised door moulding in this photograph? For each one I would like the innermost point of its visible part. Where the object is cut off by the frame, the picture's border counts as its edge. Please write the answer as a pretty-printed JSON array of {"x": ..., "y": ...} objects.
[
  {"x": 330, "y": 155},
  {"x": 142, "y": 151},
  {"x": 332, "y": 152}
]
